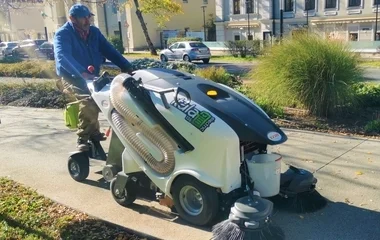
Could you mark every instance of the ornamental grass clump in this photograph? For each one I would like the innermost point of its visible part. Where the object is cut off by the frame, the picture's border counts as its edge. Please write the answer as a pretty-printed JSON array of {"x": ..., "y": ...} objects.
[{"x": 309, "y": 72}]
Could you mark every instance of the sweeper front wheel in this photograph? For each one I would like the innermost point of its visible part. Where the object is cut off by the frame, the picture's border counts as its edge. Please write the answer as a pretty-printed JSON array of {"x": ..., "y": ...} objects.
[
  {"x": 127, "y": 195},
  {"x": 195, "y": 201},
  {"x": 79, "y": 166}
]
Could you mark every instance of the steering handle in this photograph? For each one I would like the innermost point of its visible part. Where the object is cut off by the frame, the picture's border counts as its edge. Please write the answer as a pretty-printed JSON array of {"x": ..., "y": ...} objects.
[{"x": 178, "y": 90}]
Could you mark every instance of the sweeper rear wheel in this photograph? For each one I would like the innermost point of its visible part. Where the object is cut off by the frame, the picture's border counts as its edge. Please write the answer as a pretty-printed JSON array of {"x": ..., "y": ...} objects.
[
  {"x": 195, "y": 201},
  {"x": 79, "y": 166}
]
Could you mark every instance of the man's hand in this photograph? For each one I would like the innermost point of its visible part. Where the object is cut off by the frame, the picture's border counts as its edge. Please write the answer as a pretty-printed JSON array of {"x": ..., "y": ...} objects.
[
  {"x": 128, "y": 70},
  {"x": 88, "y": 76}
]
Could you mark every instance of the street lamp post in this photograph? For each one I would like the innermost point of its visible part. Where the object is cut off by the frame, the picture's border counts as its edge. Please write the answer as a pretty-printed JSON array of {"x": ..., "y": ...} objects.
[
  {"x": 204, "y": 21},
  {"x": 307, "y": 13},
  {"x": 248, "y": 4},
  {"x": 281, "y": 18},
  {"x": 121, "y": 34},
  {"x": 377, "y": 10}
]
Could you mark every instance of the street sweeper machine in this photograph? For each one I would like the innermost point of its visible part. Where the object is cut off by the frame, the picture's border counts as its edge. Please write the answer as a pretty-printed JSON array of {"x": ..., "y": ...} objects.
[{"x": 200, "y": 144}]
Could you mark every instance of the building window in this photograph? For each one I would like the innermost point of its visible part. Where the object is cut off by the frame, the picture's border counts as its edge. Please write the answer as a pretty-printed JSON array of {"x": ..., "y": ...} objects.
[
  {"x": 249, "y": 6},
  {"x": 236, "y": 6},
  {"x": 288, "y": 6},
  {"x": 354, "y": 37},
  {"x": 330, "y": 4},
  {"x": 375, "y": 2},
  {"x": 204, "y": 2},
  {"x": 184, "y": 1},
  {"x": 237, "y": 37},
  {"x": 309, "y": 5},
  {"x": 354, "y": 3}
]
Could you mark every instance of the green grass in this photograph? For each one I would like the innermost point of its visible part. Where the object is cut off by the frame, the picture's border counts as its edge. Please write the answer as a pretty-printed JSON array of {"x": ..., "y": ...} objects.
[
  {"x": 369, "y": 63},
  {"x": 24, "y": 214},
  {"x": 308, "y": 72},
  {"x": 221, "y": 58}
]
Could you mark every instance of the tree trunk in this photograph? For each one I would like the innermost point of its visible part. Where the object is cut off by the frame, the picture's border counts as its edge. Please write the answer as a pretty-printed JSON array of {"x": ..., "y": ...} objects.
[{"x": 144, "y": 28}]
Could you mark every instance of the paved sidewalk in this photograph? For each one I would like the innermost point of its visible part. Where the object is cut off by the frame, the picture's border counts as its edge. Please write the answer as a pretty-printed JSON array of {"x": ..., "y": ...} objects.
[{"x": 34, "y": 146}]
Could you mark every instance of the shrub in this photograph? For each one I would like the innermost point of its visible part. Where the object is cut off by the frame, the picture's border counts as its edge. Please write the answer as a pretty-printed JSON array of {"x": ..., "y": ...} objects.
[
  {"x": 10, "y": 59},
  {"x": 117, "y": 43},
  {"x": 146, "y": 63},
  {"x": 368, "y": 94},
  {"x": 244, "y": 48},
  {"x": 28, "y": 69},
  {"x": 219, "y": 75},
  {"x": 32, "y": 94},
  {"x": 179, "y": 39},
  {"x": 310, "y": 72},
  {"x": 372, "y": 127}
]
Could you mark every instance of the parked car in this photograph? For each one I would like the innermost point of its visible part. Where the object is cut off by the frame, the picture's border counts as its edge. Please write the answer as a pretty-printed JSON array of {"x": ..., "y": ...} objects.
[
  {"x": 27, "y": 47},
  {"x": 186, "y": 51},
  {"x": 45, "y": 50},
  {"x": 6, "y": 48}
]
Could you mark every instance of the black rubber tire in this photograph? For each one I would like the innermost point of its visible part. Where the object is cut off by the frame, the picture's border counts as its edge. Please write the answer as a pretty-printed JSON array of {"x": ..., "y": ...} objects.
[
  {"x": 186, "y": 58},
  {"x": 209, "y": 197},
  {"x": 83, "y": 163},
  {"x": 163, "y": 58},
  {"x": 130, "y": 188},
  {"x": 206, "y": 60}
]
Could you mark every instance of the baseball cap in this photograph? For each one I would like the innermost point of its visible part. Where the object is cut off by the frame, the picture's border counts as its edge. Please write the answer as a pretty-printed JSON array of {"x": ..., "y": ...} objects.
[{"x": 80, "y": 10}]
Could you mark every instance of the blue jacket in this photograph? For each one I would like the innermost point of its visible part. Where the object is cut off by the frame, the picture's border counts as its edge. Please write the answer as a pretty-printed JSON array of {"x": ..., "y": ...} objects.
[{"x": 73, "y": 55}]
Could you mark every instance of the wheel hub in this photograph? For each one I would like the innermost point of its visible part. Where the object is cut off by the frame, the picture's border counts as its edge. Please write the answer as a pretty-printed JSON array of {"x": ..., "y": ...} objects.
[
  {"x": 74, "y": 168},
  {"x": 191, "y": 200}
]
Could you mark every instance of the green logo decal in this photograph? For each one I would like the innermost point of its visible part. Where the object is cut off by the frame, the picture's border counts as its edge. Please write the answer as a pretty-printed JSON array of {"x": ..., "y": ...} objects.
[{"x": 199, "y": 119}]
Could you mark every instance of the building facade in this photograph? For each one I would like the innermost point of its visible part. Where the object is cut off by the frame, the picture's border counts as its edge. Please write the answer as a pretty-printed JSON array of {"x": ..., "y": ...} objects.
[
  {"x": 190, "y": 23},
  {"x": 347, "y": 20}
]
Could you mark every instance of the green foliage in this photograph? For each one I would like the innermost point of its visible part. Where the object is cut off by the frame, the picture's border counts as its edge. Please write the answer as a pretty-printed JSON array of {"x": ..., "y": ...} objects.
[
  {"x": 310, "y": 72},
  {"x": 219, "y": 75},
  {"x": 372, "y": 127},
  {"x": 10, "y": 59},
  {"x": 117, "y": 43},
  {"x": 368, "y": 94},
  {"x": 145, "y": 63},
  {"x": 162, "y": 10},
  {"x": 183, "y": 39},
  {"x": 25, "y": 214},
  {"x": 28, "y": 69},
  {"x": 244, "y": 48},
  {"x": 32, "y": 94}
]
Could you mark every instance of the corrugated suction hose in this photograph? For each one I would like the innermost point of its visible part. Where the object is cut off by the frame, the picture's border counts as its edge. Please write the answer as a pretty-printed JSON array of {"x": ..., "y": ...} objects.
[{"x": 129, "y": 124}]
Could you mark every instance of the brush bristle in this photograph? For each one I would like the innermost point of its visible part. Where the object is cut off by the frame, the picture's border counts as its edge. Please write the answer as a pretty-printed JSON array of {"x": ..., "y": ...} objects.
[
  {"x": 228, "y": 230},
  {"x": 302, "y": 203}
]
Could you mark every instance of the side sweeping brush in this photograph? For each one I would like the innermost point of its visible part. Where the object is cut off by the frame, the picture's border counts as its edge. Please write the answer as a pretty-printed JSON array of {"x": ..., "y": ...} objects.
[
  {"x": 249, "y": 219},
  {"x": 298, "y": 192}
]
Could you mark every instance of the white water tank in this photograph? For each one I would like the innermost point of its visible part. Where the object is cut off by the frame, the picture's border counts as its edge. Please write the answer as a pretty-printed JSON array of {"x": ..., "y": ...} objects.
[{"x": 265, "y": 171}]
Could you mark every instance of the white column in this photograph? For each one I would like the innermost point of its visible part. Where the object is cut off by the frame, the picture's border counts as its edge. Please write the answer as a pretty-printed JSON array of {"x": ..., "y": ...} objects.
[{"x": 219, "y": 18}]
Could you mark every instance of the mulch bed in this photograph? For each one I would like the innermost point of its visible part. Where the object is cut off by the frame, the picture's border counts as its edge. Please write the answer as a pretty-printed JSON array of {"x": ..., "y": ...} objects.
[{"x": 344, "y": 124}]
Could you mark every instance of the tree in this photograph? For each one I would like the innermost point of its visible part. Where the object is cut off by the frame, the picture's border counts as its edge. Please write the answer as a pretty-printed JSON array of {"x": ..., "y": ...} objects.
[{"x": 162, "y": 11}]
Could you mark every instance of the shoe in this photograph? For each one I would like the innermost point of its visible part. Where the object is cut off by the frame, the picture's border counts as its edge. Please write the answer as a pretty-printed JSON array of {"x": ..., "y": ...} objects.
[
  {"x": 99, "y": 137},
  {"x": 82, "y": 145}
]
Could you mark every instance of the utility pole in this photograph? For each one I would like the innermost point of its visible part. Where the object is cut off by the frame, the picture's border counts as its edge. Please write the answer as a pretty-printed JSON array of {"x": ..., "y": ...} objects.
[
  {"x": 204, "y": 21},
  {"x": 377, "y": 10}
]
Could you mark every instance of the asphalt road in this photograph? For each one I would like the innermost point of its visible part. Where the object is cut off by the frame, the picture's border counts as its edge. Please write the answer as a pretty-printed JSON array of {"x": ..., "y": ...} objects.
[{"x": 35, "y": 144}]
